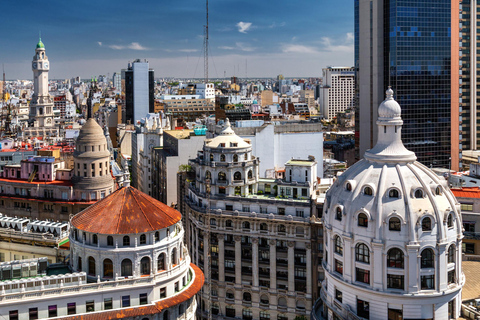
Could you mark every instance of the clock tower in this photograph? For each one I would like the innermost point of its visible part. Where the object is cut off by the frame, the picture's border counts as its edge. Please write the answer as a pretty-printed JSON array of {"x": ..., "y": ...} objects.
[{"x": 41, "y": 106}]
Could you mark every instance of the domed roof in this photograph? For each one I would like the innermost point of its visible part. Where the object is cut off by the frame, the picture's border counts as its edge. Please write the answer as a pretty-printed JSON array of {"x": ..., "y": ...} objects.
[
  {"x": 126, "y": 211},
  {"x": 40, "y": 44},
  {"x": 389, "y": 108},
  {"x": 91, "y": 134},
  {"x": 229, "y": 138}
]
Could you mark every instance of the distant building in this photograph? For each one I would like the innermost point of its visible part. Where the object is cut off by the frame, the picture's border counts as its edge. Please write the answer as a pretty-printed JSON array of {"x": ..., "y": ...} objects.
[
  {"x": 139, "y": 90},
  {"x": 338, "y": 91}
]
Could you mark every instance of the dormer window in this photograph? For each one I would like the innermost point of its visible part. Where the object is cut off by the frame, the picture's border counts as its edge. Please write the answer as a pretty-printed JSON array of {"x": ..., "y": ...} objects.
[
  {"x": 222, "y": 145},
  {"x": 450, "y": 221},
  {"x": 394, "y": 224},
  {"x": 368, "y": 191},
  {"x": 419, "y": 193},
  {"x": 348, "y": 186},
  {"x": 233, "y": 144},
  {"x": 393, "y": 193},
  {"x": 338, "y": 214},
  {"x": 426, "y": 224},
  {"x": 438, "y": 191}
]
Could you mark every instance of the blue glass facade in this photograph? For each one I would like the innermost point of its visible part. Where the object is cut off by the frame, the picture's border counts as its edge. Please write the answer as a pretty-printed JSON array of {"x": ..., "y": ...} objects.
[{"x": 417, "y": 64}]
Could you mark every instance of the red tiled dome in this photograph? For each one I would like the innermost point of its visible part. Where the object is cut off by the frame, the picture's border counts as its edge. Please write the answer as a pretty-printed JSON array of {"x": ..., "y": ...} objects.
[{"x": 126, "y": 211}]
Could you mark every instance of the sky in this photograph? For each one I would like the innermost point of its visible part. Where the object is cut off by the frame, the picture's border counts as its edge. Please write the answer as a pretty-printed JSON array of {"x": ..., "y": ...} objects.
[{"x": 247, "y": 38}]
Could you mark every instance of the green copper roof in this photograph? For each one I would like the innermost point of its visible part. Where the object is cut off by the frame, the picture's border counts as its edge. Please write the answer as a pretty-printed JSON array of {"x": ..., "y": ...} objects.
[{"x": 40, "y": 44}]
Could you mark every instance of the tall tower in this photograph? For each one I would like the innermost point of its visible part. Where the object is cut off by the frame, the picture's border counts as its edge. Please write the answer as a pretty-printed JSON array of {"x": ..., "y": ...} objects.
[
  {"x": 410, "y": 45},
  {"x": 41, "y": 106}
]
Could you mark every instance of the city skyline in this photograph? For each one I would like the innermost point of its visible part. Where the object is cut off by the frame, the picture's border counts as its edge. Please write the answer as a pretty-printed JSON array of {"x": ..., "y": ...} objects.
[{"x": 247, "y": 39}]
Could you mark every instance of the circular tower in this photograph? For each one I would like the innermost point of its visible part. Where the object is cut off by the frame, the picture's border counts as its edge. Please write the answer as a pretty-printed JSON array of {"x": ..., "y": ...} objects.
[{"x": 393, "y": 235}]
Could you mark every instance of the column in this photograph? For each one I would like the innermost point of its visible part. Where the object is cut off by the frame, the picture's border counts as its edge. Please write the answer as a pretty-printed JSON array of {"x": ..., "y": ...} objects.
[
  {"x": 378, "y": 260},
  {"x": 348, "y": 255},
  {"x": 255, "y": 261},
  {"x": 441, "y": 281},
  {"x": 291, "y": 265},
  {"x": 206, "y": 260},
  {"x": 238, "y": 260},
  {"x": 221, "y": 258},
  {"x": 273, "y": 264},
  {"x": 309, "y": 270},
  {"x": 411, "y": 264},
  {"x": 195, "y": 248}
]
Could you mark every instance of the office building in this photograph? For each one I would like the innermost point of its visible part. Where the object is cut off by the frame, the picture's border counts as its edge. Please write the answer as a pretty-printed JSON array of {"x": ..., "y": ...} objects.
[
  {"x": 139, "y": 90},
  {"x": 410, "y": 45},
  {"x": 393, "y": 236},
  {"x": 337, "y": 93}
]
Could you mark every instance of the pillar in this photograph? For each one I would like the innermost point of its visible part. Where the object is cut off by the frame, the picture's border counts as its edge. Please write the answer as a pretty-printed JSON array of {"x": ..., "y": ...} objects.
[
  {"x": 255, "y": 261},
  {"x": 273, "y": 264}
]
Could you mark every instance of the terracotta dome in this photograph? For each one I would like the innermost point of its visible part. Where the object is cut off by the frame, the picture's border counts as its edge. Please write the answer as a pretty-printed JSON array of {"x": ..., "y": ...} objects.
[{"x": 126, "y": 211}]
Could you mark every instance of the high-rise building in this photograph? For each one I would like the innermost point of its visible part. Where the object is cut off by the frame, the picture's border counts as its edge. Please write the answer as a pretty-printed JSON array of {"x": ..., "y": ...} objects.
[
  {"x": 337, "y": 93},
  {"x": 392, "y": 236},
  {"x": 139, "y": 90},
  {"x": 117, "y": 80},
  {"x": 410, "y": 45}
]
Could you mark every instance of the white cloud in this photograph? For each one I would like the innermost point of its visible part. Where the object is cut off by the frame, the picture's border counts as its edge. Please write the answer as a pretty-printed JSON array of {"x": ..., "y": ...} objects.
[
  {"x": 226, "y": 48},
  {"x": 188, "y": 50},
  {"x": 99, "y": 43},
  {"x": 131, "y": 46},
  {"x": 338, "y": 45},
  {"x": 274, "y": 25},
  {"x": 239, "y": 46},
  {"x": 243, "y": 27},
  {"x": 298, "y": 48}
]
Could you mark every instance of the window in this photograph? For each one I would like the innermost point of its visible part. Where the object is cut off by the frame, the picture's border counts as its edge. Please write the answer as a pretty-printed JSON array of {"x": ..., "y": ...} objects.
[
  {"x": 427, "y": 259},
  {"x": 395, "y": 281},
  {"x": 451, "y": 276},
  {"x": 394, "y": 314},
  {"x": 263, "y": 227},
  {"x": 145, "y": 266},
  {"x": 362, "y": 253},
  {"x": 143, "y": 298},
  {"x": 419, "y": 193},
  {"x": 362, "y": 275},
  {"x": 247, "y": 297},
  {"x": 451, "y": 254},
  {"x": 222, "y": 176},
  {"x": 230, "y": 312},
  {"x": 161, "y": 262},
  {"x": 362, "y": 220},
  {"x": 338, "y": 214},
  {"x": 157, "y": 236},
  {"x": 235, "y": 158},
  {"x": 90, "y": 306},
  {"x": 52, "y": 311},
  {"x": 338, "y": 295},
  {"x": 143, "y": 239},
  {"x": 126, "y": 241},
  {"x": 438, "y": 190},
  {"x": 230, "y": 295},
  {"x": 466, "y": 207},
  {"x": 368, "y": 191},
  {"x": 427, "y": 282},
  {"x": 95, "y": 239},
  {"x": 338, "y": 245},
  {"x": 395, "y": 258},
  {"x": 281, "y": 229},
  {"x": 13, "y": 314},
  {"x": 363, "y": 309},
  {"x": 108, "y": 303},
  {"x": 107, "y": 268},
  {"x": 450, "y": 221},
  {"x": 339, "y": 266},
  {"x": 125, "y": 301},
  {"x": 393, "y": 193},
  {"x": 394, "y": 224},
  {"x": 222, "y": 156},
  {"x": 32, "y": 313},
  {"x": 163, "y": 292},
  {"x": 71, "y": 308},
  {"x": 246, "y": 225},
  {"x": 110, "y": 241},
  {"x": 426, "y": 224},
  {"x": 91, "y": 266},
  {"x": 126, "y": 268},
  {"x": 468, "y": 248},
  {"x": 469, "y": 226},
  {"x": 348, "y": 186}
]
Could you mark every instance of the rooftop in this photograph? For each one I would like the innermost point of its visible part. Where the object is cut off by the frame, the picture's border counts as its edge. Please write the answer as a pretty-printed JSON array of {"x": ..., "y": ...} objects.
[{"x": 471, "y": 289}]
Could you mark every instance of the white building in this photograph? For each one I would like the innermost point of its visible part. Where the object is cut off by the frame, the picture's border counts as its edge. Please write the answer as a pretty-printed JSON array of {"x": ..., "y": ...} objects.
[
  {"x": 338, "y": 91},
  {"x": 128, "y": 264},
  {"x": 392, "y": 236}
]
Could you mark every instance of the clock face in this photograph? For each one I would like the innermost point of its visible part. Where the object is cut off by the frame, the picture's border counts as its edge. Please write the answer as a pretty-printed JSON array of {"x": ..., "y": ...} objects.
[
  {"x": 45, "y": 65},
  {"x": 34, "y": 65}
]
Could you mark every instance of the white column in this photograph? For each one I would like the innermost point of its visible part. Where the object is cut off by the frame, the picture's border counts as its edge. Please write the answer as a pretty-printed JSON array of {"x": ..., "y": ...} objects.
[
  {"x": 255, "y": 261},
  {"x": 238, "y": 260},
  {"x": 273, "y": 264},
  {"x": 412, "y": 265}
]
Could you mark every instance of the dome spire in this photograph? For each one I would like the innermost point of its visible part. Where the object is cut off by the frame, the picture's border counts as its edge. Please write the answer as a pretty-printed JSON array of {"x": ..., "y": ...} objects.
[{"x": 389, "y": 147}]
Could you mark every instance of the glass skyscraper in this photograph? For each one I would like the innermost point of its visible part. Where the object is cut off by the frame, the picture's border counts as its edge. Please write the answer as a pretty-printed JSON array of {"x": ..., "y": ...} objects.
[{"x": 407, "y": 44}]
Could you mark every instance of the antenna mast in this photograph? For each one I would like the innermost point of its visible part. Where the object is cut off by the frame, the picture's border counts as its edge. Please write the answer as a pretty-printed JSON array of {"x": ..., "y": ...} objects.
[{"x": 205, "y": 62}]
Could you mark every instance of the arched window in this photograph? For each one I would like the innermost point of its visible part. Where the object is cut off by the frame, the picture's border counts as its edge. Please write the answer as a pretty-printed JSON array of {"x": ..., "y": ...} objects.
[
  {"x": 126, "y": 241},
  {"x": 438, "y": 190},
  {"x": 450, "y": 221},
  {"x": 338, "y": 214},
  {"x": 174, "y": 256},
  {"x": 126, "y": 268},
  {"x": 362, "y": 253},
  {"x": 263, "y": 227},
  {"x": 282, "y": 302},
  {"x": 393, "y": 193},
  {"x": 426, "y": 224},
  {"x": 222, "y": 176},
  {"x": 143, "y": 239},
  {"x": 368, "y": 191},
  {"x": 157, "y": 236},
  {"x": 247, "y": 296},
  {"x": 394, "y": 224},
  {"x": 228, "y": 224},
  {"x": 250, "y": 174},
  {"x": 362, "y": 220},
  {"x": 107, "y": 268},
  {"x": 235, "y": 158},
  {"x": 161, "y": 262},
  {"x": 348, "y": 186},
  {"x": 451, "y": 254},
  {"x": 222, "y": 158},
  {"x": 145, "y": 266},
  {"x": 79, "y": 264},
  {"x": 91, "y": 266},
  {"x": 166, "y": 315},
  {"x": 246, "y": 225},
  {"x": 110, "y": 241},
  {"x": 395, "y": 258},
  {"x": 246, "y": 156},
  {"x": 237, "y": 175},
  {"x": 419, "y": 193},
  {"x": 281, "y": 228},
  {"x": 211, "y": 157},
  {"x": 427, "y": 259},
  {"x": 208, "y": 175},
  {"x": 94, "y": 239},
  {"x": 338, "y": 245}
]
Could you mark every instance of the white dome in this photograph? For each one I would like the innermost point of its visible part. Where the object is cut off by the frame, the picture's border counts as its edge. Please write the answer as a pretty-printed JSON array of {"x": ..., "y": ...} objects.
[
  {"x": 389, "y": 108},
  {"x": 227, "y": 139}
]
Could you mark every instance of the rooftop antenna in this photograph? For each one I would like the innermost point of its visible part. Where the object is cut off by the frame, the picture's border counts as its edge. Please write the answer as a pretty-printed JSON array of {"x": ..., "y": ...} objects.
[{"x": 205, "y": 62}]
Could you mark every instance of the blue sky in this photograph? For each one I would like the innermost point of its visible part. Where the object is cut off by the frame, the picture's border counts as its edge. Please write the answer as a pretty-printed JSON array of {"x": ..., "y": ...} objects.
[{"x": 247, "y": 37}]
